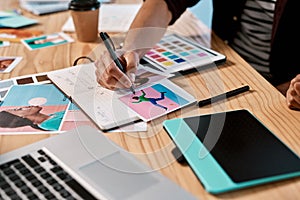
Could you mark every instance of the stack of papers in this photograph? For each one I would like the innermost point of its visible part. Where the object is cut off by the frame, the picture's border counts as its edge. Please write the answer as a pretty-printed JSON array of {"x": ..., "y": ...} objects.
[
  {"x": 155, "y": 96},
  {"x": 112, "y": 18},
  {"x": 14, "y": 20},
  {"x": 35, "y": 82},
  {"x": 40, "y": 7}
]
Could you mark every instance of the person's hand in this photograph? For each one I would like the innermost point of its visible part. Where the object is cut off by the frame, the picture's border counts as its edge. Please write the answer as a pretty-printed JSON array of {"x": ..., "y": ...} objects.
[
  {"x": 110, "y": 76},
  {"x": 293, "y": 93}
]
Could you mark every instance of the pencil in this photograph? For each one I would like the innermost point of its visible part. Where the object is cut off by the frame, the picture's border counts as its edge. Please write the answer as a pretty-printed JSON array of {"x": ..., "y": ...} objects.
[{"x": 225, "y": 95}]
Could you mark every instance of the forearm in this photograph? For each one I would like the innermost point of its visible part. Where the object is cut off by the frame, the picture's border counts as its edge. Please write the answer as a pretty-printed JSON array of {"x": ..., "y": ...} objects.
[
  {"x": 148, "y": 26},
  {"x": 153, "y": 13}
]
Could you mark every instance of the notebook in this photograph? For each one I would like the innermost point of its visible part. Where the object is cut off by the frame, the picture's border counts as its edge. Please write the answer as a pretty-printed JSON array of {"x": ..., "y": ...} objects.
[
  {"x": 232, "y": 150},
  {"x": 110, "y": 109},
  {"x": 81, "y": 164}
]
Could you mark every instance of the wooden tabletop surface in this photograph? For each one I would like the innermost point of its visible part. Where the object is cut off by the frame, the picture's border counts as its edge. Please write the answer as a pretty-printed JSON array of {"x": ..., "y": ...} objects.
[{"x": 154, "y": 146}]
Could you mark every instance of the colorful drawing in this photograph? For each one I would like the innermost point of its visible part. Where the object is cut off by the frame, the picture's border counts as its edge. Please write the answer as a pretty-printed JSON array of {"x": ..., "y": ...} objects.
[
  {"x": 143, "y": 98},
  {"x": 153, "y": 101}
]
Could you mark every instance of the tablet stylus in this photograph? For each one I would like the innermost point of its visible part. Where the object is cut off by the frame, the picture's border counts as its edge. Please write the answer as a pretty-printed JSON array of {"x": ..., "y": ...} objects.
[{"x": 223, "y": 96}]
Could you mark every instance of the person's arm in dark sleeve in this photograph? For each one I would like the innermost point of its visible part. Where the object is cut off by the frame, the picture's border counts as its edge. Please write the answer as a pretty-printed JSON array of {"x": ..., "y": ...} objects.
[
  {"x": 177, "y": 7},
  {"x": 146, "y": 30}
]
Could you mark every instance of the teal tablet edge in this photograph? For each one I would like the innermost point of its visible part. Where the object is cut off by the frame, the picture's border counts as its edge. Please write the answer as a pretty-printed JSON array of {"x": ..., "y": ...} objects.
[{"x": 209, "y": 172}]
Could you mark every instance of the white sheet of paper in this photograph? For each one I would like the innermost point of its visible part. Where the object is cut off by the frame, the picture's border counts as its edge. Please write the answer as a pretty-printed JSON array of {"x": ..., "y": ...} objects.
[
  {"x": 100, "y": 104},
  {"x": 112, "y": 18},
  {"x": 135, "y": 127},
  {"x": 109, "y": 109}
]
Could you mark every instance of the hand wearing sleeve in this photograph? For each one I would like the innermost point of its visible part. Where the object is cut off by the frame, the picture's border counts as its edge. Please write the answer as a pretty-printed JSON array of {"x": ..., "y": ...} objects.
[{"x": 146, "y": 30}]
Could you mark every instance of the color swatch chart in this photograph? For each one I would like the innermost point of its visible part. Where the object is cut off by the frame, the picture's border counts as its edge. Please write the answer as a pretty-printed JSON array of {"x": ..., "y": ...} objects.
[{"x": 173, "y": 51}]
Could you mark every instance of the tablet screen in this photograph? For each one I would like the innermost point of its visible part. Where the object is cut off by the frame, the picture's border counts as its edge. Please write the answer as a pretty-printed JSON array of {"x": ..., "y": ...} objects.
[{"x": 246, "y": 149}]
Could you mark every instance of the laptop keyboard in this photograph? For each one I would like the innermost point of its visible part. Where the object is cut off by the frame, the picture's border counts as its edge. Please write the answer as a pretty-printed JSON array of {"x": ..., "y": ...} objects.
[{"x": 37, "y": 176}]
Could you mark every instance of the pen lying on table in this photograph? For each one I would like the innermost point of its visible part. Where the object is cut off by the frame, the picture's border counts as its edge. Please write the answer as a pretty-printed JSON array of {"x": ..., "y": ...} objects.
[{"x": 223, "y": 96}]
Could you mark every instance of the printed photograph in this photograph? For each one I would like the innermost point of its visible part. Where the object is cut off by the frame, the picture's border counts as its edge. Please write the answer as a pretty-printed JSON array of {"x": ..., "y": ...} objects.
[
  {"x": 4, "y": 43},
  {"x": 16, "y": 35},
  {"x": 42, "y": 108},
  {"x": 8, "y": 63},
  {"x": 153, "y": 101},
  {"x": 47, "y": 41}
]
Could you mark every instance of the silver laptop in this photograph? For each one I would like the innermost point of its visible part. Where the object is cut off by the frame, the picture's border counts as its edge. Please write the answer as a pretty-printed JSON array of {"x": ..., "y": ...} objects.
[{"x": 81, "y": 164}]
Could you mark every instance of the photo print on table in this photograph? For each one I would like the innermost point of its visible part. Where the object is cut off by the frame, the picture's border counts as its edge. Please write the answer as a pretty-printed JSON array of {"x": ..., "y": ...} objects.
[
  {"x": 4, "y": 43},
  {"x": 42, "y": 108},
  {"x": 154, "y": 101},
  {"x": 16, "y": 35},
  {"x": 47, "y": 41},
  {"x": 8, "y": 63}
]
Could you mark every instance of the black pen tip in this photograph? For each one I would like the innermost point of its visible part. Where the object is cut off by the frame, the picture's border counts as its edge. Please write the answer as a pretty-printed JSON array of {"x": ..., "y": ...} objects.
[{"x": 132, "y": 90}]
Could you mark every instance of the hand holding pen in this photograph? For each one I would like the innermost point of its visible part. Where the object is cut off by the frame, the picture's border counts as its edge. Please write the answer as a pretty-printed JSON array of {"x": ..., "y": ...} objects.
[{"x": 117, "y": 75}]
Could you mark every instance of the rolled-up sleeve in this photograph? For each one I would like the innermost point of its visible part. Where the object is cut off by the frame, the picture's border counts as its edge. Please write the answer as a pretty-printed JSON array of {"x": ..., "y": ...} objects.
[{"x": 177, "y": 7}]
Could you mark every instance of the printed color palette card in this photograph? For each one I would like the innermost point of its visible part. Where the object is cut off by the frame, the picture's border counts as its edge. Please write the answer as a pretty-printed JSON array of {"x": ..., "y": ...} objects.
[{"x": 175, "y": 53}]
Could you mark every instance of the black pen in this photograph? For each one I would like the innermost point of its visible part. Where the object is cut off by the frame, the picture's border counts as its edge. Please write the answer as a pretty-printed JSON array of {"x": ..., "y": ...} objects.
[
  {"x": 108, "y": 44},
  {"x": 223, "y": 96}
]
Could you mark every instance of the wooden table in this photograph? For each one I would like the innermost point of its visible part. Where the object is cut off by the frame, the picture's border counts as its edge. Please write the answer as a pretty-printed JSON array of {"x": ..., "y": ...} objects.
[{"x": 154, "y": 146}]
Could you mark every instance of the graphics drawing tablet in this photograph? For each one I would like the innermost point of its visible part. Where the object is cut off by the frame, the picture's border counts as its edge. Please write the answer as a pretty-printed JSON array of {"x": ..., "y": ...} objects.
[{"x": 232, "y": 150}]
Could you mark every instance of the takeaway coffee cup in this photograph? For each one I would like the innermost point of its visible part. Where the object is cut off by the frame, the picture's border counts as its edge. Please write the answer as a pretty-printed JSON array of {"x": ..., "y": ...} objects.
[{"x": 85, "y": 15}]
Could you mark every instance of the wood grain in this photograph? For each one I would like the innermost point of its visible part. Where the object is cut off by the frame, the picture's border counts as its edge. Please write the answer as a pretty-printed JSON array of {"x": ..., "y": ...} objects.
[{"x": 154, "y": 146}]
